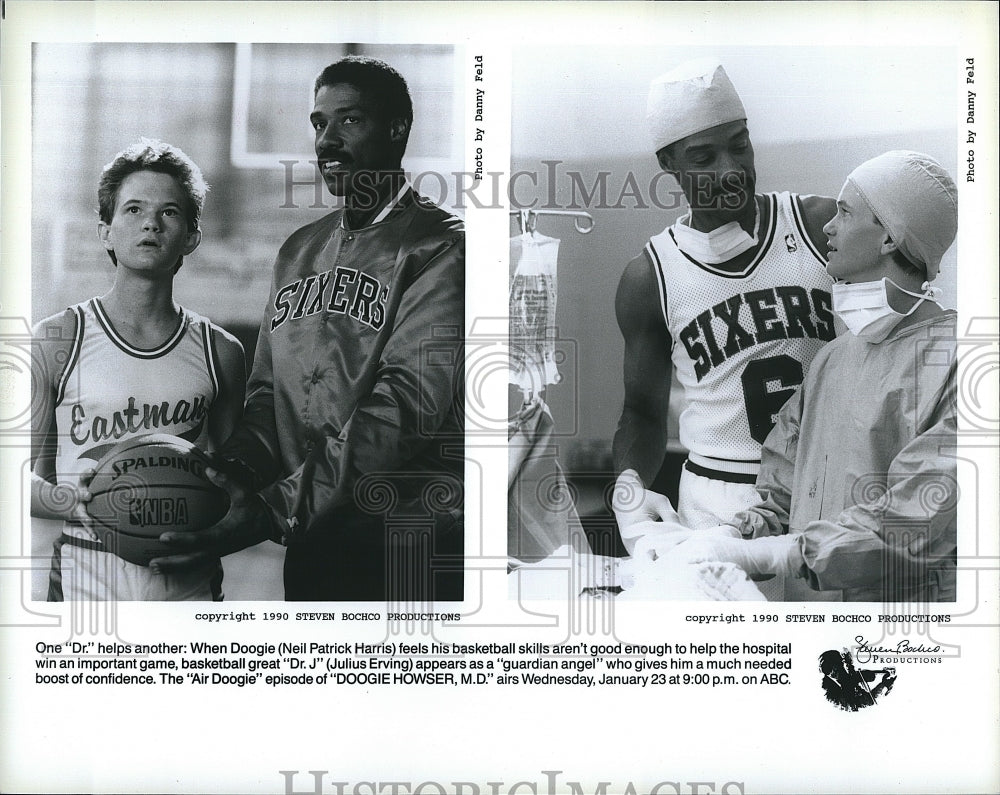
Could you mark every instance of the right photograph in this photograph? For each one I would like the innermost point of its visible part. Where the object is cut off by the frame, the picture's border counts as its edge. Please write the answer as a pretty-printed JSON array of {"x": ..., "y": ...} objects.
[{"x": 732, "y": 323}]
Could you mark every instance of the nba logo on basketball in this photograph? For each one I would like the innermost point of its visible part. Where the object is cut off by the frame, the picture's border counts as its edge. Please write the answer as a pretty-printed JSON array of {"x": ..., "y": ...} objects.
[{"x": 158, "y": 511}]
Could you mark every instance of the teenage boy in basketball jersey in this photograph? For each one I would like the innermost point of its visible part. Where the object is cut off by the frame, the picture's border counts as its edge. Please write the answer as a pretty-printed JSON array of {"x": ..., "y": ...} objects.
[
  {"x": 734, "y": 296},
  {"x": 350, "y": 451},
  {"x": 126, "y": 364}
]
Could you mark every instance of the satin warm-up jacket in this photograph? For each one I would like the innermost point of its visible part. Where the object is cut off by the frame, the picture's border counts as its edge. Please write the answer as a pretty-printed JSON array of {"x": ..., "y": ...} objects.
[{"x": 355, "y": 397}]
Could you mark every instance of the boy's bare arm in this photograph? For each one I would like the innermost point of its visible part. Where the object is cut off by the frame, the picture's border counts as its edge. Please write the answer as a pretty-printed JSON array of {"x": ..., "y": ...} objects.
[{"x": 51, "y": 354}]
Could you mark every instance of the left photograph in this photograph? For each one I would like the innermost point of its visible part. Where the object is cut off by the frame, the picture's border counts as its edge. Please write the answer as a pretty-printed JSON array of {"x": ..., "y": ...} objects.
[{"x": 248, "y": 307}]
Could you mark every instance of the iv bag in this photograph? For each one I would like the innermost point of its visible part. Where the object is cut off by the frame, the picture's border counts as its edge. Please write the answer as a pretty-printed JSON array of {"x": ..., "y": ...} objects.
[{"x": 533, "y": 312}]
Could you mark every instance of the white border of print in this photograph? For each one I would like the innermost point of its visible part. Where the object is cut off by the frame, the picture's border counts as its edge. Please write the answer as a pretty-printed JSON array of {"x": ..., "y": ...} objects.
[{"x": 218, "y": 739}]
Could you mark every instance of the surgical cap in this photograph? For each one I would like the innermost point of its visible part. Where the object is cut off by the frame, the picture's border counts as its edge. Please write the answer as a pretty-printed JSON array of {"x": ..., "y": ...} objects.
[
  {"x": 692, "y": 97},
  {"x": 916, "y": 201}
]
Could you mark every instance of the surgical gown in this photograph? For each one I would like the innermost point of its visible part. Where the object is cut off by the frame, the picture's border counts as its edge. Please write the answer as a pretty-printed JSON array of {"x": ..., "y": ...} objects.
[{"x": 861, "y": 464}]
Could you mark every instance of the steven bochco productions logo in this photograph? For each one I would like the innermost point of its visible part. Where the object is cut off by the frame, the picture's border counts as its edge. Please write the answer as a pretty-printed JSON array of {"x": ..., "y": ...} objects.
[{"x": 853, "y": 688}]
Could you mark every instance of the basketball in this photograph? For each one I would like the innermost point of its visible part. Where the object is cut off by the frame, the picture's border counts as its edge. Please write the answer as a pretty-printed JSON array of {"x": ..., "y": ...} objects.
[{"x": 147, "y": 486}]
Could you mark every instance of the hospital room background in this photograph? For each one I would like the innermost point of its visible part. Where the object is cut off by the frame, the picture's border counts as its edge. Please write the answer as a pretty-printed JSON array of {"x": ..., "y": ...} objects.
[{"x": 578, "y": 125}]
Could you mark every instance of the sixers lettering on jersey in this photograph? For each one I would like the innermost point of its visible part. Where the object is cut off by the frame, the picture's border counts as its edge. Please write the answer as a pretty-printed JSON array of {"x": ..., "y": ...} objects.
[
  {"x": 342, "y": 291},
  {"x": 753, "y": 318},
  {"x": 743, "y": 340}
]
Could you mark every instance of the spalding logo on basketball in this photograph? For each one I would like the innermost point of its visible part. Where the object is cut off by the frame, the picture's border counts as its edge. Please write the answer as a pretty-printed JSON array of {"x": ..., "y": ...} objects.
[{"x": 148, "y": 485}]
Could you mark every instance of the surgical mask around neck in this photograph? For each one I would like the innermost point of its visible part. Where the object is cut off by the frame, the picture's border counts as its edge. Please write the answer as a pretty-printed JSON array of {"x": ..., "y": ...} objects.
[
  {"x": 720, "y": 245},
  {"x": 865, "y": 308}
]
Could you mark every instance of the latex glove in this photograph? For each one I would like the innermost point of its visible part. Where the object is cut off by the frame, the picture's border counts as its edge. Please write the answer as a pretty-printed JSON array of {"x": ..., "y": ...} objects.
[
  {"x": 650, "y": 542},
  {"x": 656, "y": 539},
  {"x": 720, "y": 531},
  {"x": 759, "y": 557},
  {"x": 634, "y": 504}
]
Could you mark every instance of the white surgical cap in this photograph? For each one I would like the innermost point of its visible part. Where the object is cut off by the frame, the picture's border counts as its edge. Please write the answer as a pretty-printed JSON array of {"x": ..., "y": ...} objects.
[
  {"x": 692, "y": 97},
  {"x": 915, "y": 200}
]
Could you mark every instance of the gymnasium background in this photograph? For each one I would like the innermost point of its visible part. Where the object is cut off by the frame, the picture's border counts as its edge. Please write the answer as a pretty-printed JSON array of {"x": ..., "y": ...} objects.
[
  {"x": 813, "y": 115},
  {"x": 238, "y": 110}
]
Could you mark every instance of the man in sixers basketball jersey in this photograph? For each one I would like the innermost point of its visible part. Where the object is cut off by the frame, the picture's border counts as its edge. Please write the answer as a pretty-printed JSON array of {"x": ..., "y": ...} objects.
[
  {"x": 733, "y": 296},
  {"x": 858, "y": 483},
  {"x": 350, "y": 451},
  {"x": 128, "y": 364}
]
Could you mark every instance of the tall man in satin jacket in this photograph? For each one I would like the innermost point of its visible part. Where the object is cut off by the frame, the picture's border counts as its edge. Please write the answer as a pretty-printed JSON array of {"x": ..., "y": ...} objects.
[{"x": 350, "y": 450}]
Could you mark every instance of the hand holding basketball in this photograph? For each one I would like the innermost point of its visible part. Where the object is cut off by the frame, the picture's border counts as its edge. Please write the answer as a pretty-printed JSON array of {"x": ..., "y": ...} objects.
[
  {"x": 147, "y": 486},
  {"x": 246, "y": 523},
  {"x": 63, "y": 501},
  {"x": 82, "y": 496}
]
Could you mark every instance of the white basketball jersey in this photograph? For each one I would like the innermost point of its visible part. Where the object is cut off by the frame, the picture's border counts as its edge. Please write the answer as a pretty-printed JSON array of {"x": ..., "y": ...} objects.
[
  {"x": 111, "y": 391},
  {"x": 743, "y": 341}
]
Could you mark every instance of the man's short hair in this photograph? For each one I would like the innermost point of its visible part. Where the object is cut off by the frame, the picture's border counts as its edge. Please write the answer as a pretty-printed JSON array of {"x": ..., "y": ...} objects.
[
  {"x": 148, "y": 154},
  {"x": 382, "y": 85}
]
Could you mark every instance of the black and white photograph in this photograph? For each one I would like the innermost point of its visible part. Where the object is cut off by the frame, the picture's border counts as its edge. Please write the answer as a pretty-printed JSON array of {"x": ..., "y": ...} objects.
[
  {"x": 701, "y": 208},
  {"x": 341, "y": 476},
  {"x": 550, "y": 398}
]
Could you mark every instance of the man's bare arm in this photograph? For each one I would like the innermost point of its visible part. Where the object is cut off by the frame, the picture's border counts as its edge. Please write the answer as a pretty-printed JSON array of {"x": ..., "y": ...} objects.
[{"x": 641, "y": 438}]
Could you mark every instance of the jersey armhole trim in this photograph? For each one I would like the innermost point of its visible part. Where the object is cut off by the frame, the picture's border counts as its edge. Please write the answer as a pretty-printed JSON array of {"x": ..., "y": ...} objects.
[
  {"x": 798, "y": 216},
  {"x": 74, "y": 355},
  {"x": 211, "y": 358},
  {"x": 661, "y": 286}
]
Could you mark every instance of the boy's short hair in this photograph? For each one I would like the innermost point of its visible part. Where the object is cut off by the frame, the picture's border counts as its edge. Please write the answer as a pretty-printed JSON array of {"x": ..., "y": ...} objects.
[
  {"x": 905, "y": 264},
  {"x": 908, "y": 267},
  {"x": 148, "y": 154},
  {"x": 382, "y": 85}
]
